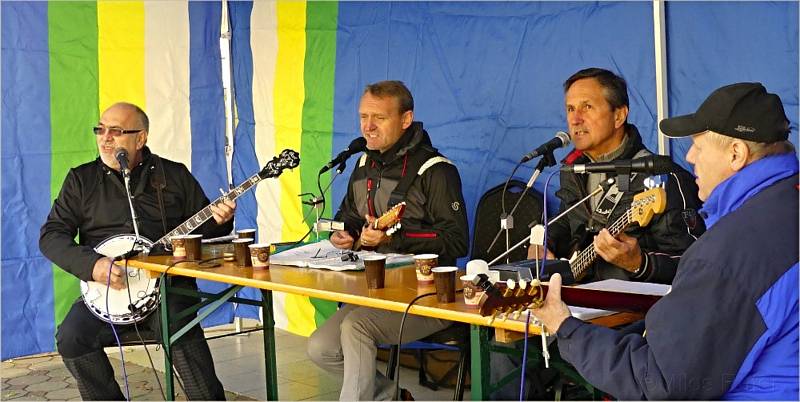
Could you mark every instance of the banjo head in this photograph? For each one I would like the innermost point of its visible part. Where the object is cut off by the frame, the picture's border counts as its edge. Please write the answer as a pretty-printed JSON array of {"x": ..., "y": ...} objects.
[{"x": 124, "y": 306}]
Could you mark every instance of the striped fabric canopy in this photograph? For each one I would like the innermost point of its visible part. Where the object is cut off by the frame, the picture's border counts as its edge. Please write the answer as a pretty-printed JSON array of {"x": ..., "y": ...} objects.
[{"x": 66, "y": 62}]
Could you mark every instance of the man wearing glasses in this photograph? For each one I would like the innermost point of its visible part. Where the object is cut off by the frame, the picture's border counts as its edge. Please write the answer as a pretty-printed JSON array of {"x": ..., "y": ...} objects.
[{"x": 93, "y": 205}]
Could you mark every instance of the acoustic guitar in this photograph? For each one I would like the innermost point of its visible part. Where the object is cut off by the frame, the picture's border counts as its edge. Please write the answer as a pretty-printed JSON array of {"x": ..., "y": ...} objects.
[{"x": 389, "y": 222}]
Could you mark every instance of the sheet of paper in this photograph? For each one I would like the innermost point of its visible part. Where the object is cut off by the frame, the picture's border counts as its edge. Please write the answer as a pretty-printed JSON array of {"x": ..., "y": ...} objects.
[
  {"x": 324, "y": 255},
  {"x": 617, "y": 285}
]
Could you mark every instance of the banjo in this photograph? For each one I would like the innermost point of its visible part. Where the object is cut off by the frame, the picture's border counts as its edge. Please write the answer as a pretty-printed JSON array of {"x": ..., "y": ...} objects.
[{"x": 141, "y": 297}]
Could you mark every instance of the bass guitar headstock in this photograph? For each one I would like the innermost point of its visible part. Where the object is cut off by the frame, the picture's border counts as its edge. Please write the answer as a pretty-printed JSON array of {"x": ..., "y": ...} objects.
[{"x": 646, "y": 204}]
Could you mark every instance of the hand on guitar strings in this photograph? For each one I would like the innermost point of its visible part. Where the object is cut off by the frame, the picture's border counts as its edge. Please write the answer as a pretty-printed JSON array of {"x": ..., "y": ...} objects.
[
  {"x": 372, "y": 237},
  {"x": 553, "y": 311},
  {"x": 223, "y": 211},
  {"x": 622, "y": 251},
  {"x": 100, "y": 273}
]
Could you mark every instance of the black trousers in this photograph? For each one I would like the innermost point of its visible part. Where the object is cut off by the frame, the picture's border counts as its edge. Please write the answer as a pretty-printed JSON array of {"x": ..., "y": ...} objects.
[
  {"x": 81, "y": 335},
  {"x": 81, "y": 332}
]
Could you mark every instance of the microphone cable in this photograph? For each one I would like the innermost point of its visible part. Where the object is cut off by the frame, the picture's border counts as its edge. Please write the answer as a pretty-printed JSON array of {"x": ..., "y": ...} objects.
[
  {"x": 141, "y": 340},
  {"x": 400, "y": 341},
  {"x": 503, "y": 204},
  {"x": 114, "y": 331},
  {"x": 322, "y": 197}
]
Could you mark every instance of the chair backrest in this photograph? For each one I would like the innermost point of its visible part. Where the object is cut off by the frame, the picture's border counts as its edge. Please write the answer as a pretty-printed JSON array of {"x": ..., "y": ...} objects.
[{"x": 487, "y": 220}]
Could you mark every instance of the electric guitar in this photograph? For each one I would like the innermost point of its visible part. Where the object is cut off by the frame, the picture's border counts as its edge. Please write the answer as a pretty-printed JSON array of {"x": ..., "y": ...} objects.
[
  {"x": 644, "y": 206},
  {"x": 389, "y": 222},
  {"x": 140, "y": 298}
]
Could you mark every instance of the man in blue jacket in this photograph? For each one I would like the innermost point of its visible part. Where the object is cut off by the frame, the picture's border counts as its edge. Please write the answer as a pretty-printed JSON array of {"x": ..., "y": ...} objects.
[{"x": 729, "y": 327}]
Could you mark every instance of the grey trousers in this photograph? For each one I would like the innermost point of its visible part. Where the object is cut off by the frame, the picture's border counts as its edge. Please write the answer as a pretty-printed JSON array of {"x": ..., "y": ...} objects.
[{"x": 347, "y": 344}]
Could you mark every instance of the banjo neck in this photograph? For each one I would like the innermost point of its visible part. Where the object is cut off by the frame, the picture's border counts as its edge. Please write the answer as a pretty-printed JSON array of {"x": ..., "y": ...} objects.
[{"x": 205, "y": 214}]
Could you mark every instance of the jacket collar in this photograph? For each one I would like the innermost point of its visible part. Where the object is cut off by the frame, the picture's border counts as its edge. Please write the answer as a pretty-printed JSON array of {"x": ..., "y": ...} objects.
[
  {"x": 732, "y": 192},
  {"x": 414, "y": 136}
]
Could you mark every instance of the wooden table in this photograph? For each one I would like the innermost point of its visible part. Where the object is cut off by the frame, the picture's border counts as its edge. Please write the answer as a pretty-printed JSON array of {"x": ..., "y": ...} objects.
[{"x": 347, "y": 287}]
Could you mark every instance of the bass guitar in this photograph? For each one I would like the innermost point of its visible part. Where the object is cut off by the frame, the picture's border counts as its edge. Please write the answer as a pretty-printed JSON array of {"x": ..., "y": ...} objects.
[
  {"x": 645, "y": 205},
  {"x": 516, "y": 296},
  {"x": 141, "y": 297}
]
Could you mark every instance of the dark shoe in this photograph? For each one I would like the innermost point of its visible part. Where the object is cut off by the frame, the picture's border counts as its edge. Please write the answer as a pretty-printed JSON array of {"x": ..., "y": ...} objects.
[{"x": 95, "y": 377}]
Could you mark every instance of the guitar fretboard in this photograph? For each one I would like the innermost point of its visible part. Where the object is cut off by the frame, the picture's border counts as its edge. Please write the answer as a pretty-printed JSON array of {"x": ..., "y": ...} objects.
[
  {"x": 205, "y": 214},
  {"x": 588, "y": 255}
]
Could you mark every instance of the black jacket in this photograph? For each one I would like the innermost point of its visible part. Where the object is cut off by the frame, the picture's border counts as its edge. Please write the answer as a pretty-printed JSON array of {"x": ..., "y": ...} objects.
[
  {"x": 435, "y": 219},
  {"x": 663, "y": 240},
  {"x": 93, "y": 205}
]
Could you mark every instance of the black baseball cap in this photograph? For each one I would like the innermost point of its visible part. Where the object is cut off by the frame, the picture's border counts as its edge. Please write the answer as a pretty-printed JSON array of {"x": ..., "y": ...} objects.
[{"x": 744, "y": 110}]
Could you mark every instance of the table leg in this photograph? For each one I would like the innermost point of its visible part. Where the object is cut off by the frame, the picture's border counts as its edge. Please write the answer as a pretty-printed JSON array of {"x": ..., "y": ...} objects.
[
  {"x": 479, "y": 342},
  {"x": 270, "y": 366},
  {"x": 165, "y": 340}
]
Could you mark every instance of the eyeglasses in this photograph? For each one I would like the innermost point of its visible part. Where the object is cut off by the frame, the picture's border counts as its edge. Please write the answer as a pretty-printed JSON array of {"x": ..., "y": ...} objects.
[{"x": 115, "y": 131}]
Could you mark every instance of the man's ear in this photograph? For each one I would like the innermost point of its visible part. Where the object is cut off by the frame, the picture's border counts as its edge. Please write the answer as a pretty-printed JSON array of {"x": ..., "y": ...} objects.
[
  {"x": 739, "y": 155},
  {"x": 141, "y": 139},
  {"x": 620, "y": 116},
  {"x": 407, "y": 118}
]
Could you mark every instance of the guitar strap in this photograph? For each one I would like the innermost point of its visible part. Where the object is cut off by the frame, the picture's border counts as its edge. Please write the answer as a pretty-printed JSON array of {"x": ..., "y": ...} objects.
[
  {"x": 610, "y": 199},
  {"x": 159, "y": 181},
  {"x": 418, "y": 162}
]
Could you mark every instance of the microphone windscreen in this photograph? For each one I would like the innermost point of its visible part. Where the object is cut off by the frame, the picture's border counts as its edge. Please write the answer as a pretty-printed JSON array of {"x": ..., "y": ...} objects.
[
  {"x": 358, "y": 145},
  {"x": 120, "y": 153}
]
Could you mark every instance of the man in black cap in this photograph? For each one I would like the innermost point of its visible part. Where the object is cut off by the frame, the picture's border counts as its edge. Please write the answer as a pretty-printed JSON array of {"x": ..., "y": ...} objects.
[{"x": 729, "y": 327}]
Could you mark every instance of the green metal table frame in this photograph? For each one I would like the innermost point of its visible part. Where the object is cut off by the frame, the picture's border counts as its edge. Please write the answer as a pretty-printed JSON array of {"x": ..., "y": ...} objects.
[
  {"x": 214, "y": 301},
  {"x": 482, "y": 346}
]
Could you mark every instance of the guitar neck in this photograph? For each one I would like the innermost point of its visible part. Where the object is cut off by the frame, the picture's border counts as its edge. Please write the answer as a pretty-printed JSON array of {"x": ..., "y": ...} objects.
[
  {"x": 205, "y": 214},
  {"x": 586, "y": 257}
]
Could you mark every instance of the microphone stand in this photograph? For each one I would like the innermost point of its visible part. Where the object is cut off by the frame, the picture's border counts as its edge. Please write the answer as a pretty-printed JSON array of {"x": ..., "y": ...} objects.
[
  {"x": 137, "y": 243},
  {"x": 601, "y": 187},
  {"x": 507, "y": 222},
  {"x": 315, "y": 201}
]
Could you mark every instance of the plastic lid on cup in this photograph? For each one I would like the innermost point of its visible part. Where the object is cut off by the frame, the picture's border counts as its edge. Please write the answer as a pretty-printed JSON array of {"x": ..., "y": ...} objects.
[
  {"x": 258, "y": 245},
  {"x": 373, "y": 257},
  {"x": 426, "y": 256},
  {"x": 244, "y": 240},
  {"x": 475, "y": 267}
]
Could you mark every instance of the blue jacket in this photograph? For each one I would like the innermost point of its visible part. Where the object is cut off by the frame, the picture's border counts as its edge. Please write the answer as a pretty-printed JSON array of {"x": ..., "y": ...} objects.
[{"x": 729, "y": 327}]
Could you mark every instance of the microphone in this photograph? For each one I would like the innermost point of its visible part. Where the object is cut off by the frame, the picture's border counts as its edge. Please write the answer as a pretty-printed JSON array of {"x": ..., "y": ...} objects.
[
  {"x": 357, "y": 145},
  {"x": 121, "y": 155},
  {"x": 561, "y": 140},
  {"x": 653, "y": 164}
]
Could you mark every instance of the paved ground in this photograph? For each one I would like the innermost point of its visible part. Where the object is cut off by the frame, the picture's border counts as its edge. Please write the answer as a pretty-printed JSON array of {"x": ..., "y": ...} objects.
[{"x": 44, "y": 378}]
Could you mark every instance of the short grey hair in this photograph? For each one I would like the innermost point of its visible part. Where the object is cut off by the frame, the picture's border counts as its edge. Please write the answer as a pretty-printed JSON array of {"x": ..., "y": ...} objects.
[{"x": 757, "y": 150}]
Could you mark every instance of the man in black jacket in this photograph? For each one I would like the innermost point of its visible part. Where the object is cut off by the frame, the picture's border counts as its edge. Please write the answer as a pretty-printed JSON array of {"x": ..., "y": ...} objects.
[
  {"x": 399, "y": 165},
  {"x": 596, "y": 103},
  {"x": 93, "y": 205}
]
